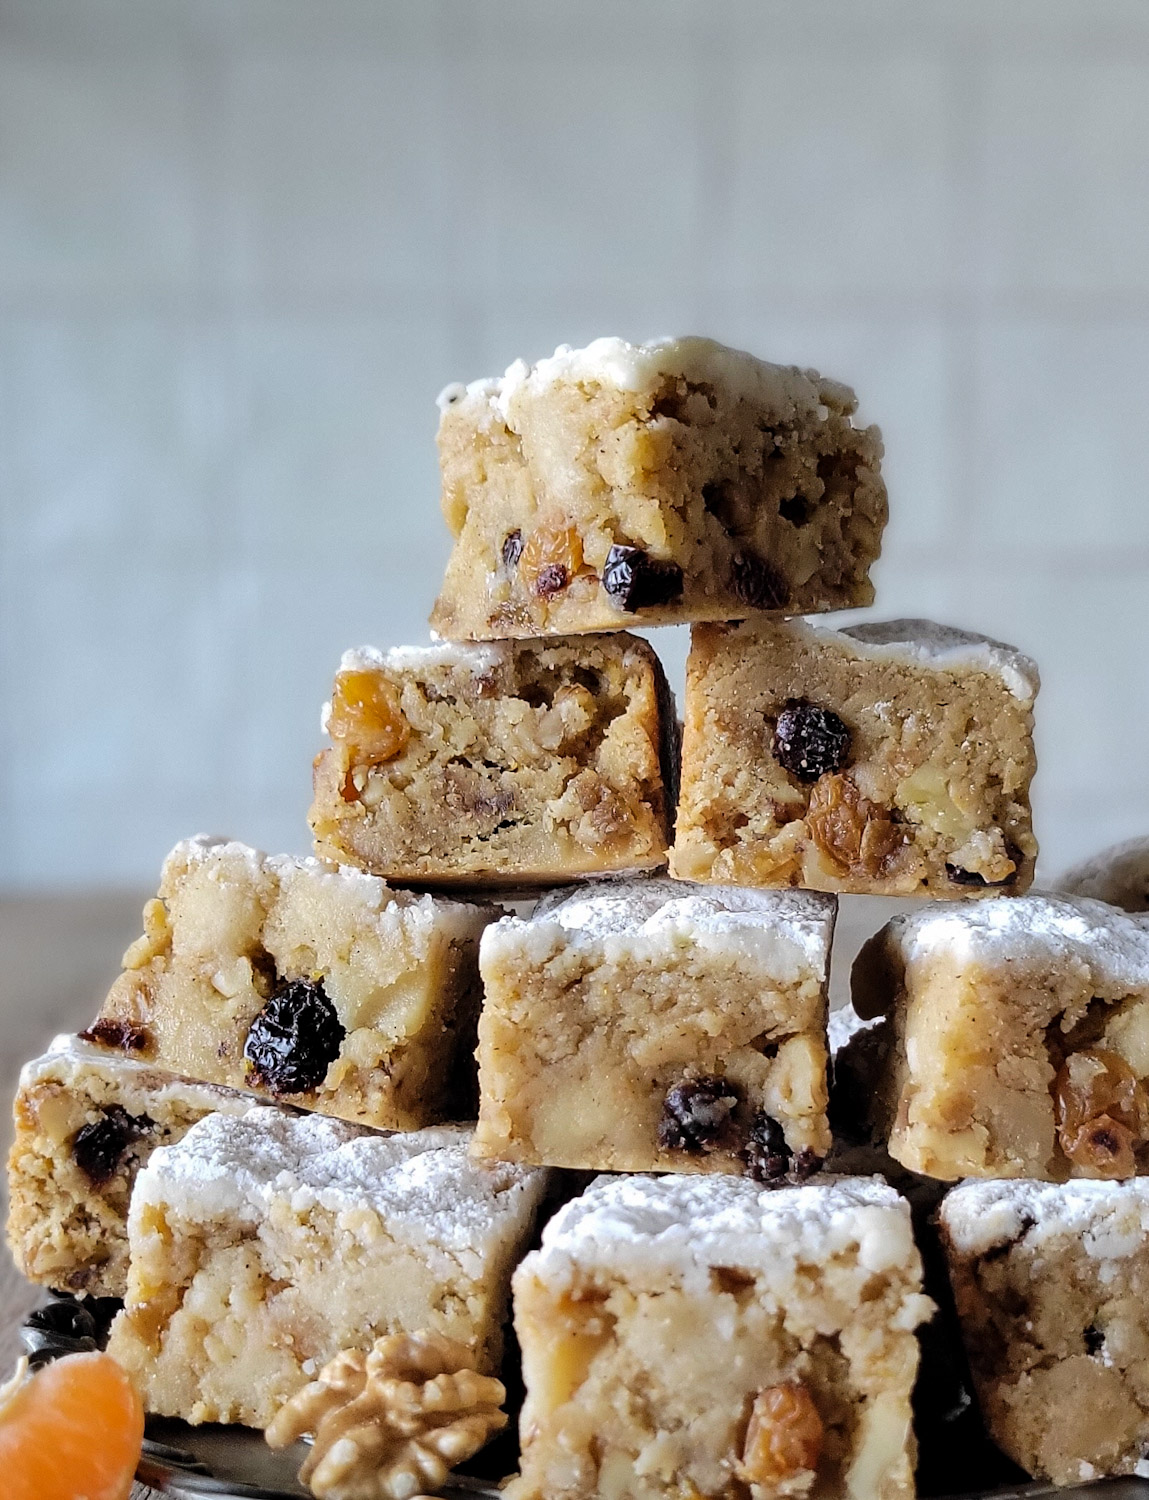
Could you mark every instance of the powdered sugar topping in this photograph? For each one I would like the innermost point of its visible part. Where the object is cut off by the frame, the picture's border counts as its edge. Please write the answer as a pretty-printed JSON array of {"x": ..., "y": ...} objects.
[
  {"x": 945, "y": 647},
  {"x": 1110, "y": 1219}
]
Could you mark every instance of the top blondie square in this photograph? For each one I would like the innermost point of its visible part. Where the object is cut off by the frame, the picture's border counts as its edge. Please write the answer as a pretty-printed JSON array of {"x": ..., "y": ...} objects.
[{"x": 645, "y": 484}]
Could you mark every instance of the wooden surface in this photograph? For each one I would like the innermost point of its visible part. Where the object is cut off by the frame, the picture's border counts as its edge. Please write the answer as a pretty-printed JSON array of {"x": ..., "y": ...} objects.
[{"x": 59, "y": 954}]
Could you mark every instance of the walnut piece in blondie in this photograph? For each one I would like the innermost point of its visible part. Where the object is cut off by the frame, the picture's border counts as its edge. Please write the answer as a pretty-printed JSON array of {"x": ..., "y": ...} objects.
[
  {"x": 1018, "y": 1041},
  {"x": 705, "y": 1336},
  {"x": 886, "y": 759},
  {"x": 505, "y": 764},
  {"x": 644, "y": 484}
]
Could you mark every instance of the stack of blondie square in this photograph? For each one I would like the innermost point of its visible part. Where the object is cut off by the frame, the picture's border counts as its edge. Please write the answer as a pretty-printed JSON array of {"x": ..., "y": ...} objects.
[{"x": 335, "y": 1101}]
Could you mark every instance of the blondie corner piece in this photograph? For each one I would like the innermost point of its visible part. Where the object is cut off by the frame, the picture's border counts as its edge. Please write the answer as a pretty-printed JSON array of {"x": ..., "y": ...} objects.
[
  {"x": 263, "y": 1245},
  {"x": 651, "y": 484},
  {"x": 651, "y": 1025},
  {"x": 512, "y": 764},
  {"x": 1019, "y": 1039},
  {"x": 1119, "y": 875},
  {"x": 307, "y": 984},
  {"x": 86, "y": 1121},
  {"x": 1051, "y": 1283},
  {"x": 888, "y": 759},
  {"x": 705, "y": 1336}
]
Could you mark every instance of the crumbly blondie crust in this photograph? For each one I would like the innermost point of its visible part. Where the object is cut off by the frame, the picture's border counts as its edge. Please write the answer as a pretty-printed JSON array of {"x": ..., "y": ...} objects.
[
  {"x": 1019, "y": 1038},
  {"x": 86, "y": 1121},
  {"x": 653, "y": 483},
  {"x": 1051, "y": 1283},
  {"x": 1119, "y": 875},
  {"x": 652, "y": 1025},
  {"x": 888, "y": 759},
  {"x": 264, "y": 1244},
  {"x": 704, "y": 1336},
  {"x": 515, "y": 764},
  {"x": 303, "y": 983}
]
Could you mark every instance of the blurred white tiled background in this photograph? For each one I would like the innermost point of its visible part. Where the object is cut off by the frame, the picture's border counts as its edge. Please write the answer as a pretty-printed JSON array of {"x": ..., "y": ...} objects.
[{"x": 243, "y": 243}]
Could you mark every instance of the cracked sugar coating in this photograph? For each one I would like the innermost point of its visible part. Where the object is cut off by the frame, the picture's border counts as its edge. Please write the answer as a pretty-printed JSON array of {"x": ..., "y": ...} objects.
[
  {"x": 1019, "y": 1038},
  {"x": 611, "y": 1013},
  {"x": 264, "y": 1244},
  {"x": 888, "y": 759},
  {"x": 1118, "y": 875},
  {"x": 508, "y": 764},
  {"x": 64, "y": 1229},
  {"x": 644, "y": 484},
  {"x": 710, "y": 1296},
  {"x": 1050, "y": 1282}
]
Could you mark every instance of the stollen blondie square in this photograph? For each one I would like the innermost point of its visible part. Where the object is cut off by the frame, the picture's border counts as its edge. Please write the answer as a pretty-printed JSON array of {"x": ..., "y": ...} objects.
[
  {"x": 653, "y": 1025},
  {"x": 1051, "y": 1282},
  {"x": 1119, "y": 875},
  {"x": 1019, "y": 1038},
  {"x": 86, "y": 1120},
  {"x": 705, "y": 1336},
  {"x": 888, "y": 759},
  {"x": 510, "y": 764},
  {"x": 262, "y": 1245},
  {"x": 316, "y": 986},
  {"x": 653, "y": 483}
]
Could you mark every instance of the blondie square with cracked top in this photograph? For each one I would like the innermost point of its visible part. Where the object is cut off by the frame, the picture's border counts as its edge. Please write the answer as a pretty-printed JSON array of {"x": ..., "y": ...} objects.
[
  {"x": 706, "y": 1336},
  {"x": 86, "y": 1120},
  {"x": 1051, "y": 1283},
  {"x": 887, "y": 759},
  {"x": 653, "y": 483},
  {"x": 1119, "y": 875},
  {"x": 305, "y": 983},
  {"x": 653, "y": 1025},
  {"x": 1019, "y": 1038},
  {"x": 520, "y": 763},
  {"x": 262, "y": 1245}
]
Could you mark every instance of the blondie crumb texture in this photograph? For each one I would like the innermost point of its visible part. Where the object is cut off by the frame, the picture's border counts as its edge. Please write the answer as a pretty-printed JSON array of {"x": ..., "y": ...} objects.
[
  {"x": 1118, "y": 875},
  {"x": 705, "y": 1336},
  {"x": 647, "y": 484},
  {"x": 86, "y": 1121},
  {"x": 316, "y": 986},
  {"x": 1051, "y": 1283},
  {"x": 512, "y": 764},
  {"x": 263, "y": 1245},
  {"x": 888, "y": 759},
  {"x": 1019, "y": 1042},
  {"x": 649, "y": 1024}
]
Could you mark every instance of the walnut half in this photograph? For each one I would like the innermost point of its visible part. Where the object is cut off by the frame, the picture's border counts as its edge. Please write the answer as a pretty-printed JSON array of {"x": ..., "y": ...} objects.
[{"x": 391, "y": 1423}]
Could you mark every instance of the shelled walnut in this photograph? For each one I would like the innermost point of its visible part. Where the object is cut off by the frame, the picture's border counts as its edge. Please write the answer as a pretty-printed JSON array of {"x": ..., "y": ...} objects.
[{"x": 393, "y": 1422}]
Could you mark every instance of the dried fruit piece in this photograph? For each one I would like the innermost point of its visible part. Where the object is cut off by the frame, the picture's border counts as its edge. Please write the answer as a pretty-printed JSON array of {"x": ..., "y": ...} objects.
[
  {"x": 550, "y": 558},
  {"x": 74, "y": 1428},
  {"x": 126, "y": 1035},
  {"x": 365, "y": 716},
  {"x": 294, "y": 1039},
  {"x": 757, "y": 584},
  {"x": 696, "y": 1115},
  {"x": 810, "y": 741},
  {"x": 635, "y": 580},
  {"x": 784, "y": 1436},
  {"x": 99, "y": 1147},
  {"x": 512, "y": 548},
  {"x": 392, "y": 1422},
  {"x": 770, "y": 1160},
  {"x": 1102, "y": 1112},
  {"x": 849, "y": 829}
]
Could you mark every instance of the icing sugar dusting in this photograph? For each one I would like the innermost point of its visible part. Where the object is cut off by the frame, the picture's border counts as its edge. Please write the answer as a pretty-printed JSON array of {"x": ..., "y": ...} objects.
[
  {"x": 1110, "y": 1219},
  {"x": 946, "y": 646}
]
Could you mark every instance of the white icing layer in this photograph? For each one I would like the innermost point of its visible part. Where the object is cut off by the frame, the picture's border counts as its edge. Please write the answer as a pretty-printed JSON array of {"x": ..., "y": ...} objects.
[
  {"x": 786, "y": 932},
  {"x": 636, "y": 367},
  {"x": 69, "y": 1058},
  {"x": 1059, "y": 930},
  {"x": 1119, "y": 875},
  {"x": 687, "y": 1224},
  {"x": 844, "y": 1024},
  {"x": 476, "y": 658},
  {"x": 422, "y": 1184},
  {"x": 943, "y": 648},
  {"x": 1110, "y": 1219}
]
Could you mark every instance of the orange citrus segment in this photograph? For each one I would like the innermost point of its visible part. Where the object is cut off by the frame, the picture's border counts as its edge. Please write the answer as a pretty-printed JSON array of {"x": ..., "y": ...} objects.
[{"x": 72, "y": 1431}]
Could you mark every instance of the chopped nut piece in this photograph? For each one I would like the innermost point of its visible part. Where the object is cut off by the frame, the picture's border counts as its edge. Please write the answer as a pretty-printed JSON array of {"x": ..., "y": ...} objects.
[
  {"x": 1102, "y": 1112},
  {"x": 365, "y": 716},
  {"x": 784, "y": 1437},
  {"x": 392, "y": 1421}
]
